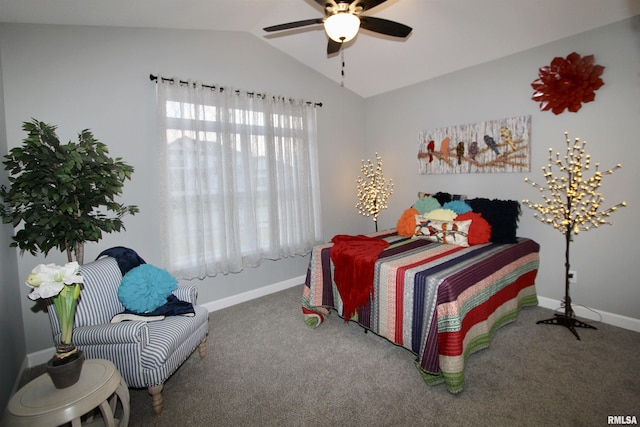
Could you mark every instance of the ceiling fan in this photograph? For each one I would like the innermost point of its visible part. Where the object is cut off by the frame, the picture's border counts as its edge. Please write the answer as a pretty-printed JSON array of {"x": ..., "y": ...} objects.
[{"x": 343, "y": 19}]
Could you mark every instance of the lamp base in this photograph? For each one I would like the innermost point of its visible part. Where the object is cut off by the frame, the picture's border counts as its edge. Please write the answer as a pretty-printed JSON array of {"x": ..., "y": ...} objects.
[{"x": 569, "y": 322}]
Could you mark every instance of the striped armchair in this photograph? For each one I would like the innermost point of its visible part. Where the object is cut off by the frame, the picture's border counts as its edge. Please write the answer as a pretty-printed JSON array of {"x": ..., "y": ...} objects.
[{"x": 145, "y": 353}]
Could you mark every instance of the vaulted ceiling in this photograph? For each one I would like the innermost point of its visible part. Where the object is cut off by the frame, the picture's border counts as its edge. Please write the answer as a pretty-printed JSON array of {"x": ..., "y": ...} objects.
[{"x": 448, "y": 35}]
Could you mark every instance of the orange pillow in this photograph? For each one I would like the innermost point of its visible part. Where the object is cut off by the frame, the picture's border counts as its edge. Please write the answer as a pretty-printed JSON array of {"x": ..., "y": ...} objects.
[
  {"x": 480, "y": 229},
  {"x": 407, "y": 222}
]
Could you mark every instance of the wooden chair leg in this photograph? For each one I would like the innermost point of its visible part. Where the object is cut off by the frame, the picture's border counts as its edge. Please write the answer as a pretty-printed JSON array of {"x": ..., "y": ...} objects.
[
  {"x": 156, "y": 397},
  {"x": 202, "y": 347}
]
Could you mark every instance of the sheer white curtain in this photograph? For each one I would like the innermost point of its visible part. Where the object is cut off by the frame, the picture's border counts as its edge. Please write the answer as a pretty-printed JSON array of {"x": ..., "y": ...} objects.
[{"x": 239, "y": 178}]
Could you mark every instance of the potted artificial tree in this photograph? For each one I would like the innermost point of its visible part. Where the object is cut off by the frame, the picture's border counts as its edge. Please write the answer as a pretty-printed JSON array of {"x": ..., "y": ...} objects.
[{"x": 54, "y": 199}]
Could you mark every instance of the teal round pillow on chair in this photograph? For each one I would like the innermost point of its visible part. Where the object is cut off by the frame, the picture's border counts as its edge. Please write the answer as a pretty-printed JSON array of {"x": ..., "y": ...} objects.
[{"x": 145, "y": 288}]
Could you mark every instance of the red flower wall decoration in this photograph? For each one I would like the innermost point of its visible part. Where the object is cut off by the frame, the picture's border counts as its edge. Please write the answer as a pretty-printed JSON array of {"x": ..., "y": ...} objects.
[{"x": 567, "y": 83}]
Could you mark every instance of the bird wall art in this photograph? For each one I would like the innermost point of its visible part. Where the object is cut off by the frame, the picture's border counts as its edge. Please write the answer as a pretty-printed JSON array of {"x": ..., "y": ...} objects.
[{"x": 491, "y": 146}]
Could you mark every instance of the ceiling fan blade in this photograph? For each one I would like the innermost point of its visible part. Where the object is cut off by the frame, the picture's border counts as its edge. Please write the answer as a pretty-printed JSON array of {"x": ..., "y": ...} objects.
[
  {"x": 384, "y": 26},
  {"x": 295, "y": 24},
  {"x": 333, "y": 46}
]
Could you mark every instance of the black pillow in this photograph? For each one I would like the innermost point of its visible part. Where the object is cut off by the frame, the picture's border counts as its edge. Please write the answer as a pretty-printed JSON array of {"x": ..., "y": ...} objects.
[
  {"x": 502, "y": 215},
  {"x": 442, "y": 197},
  {"x": 127, "y": 258}
]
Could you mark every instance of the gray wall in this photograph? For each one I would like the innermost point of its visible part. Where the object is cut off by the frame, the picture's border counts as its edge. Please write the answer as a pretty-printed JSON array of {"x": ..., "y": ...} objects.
[
  {"x": 98, "y": 78},
  {"x": 605, "y": 258},
  {"x": 12, "y": 340}
]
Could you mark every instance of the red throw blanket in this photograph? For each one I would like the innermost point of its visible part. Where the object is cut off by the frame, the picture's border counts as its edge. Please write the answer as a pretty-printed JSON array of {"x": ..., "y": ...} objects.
[{"x": 354, "y": 258}]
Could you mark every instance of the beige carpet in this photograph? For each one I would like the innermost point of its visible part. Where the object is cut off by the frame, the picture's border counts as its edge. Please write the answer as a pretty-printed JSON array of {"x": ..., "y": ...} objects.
[{"x": 266, "y": 367}]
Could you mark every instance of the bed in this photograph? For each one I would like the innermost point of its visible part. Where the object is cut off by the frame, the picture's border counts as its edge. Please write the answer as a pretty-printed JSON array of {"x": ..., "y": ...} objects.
[{"x": 440, "y": 301}]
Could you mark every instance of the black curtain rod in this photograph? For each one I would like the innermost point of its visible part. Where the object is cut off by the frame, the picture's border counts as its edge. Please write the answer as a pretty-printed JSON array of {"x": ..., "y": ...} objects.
[{"x": 262, "y": 95}]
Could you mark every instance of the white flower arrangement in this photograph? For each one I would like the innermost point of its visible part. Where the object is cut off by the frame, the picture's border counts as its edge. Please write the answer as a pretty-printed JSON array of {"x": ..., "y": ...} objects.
[{"x": 62, "y": 285}]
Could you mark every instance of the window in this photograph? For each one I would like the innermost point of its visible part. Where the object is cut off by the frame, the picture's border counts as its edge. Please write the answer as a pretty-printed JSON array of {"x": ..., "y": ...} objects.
[{"x": 240, "y": 178}]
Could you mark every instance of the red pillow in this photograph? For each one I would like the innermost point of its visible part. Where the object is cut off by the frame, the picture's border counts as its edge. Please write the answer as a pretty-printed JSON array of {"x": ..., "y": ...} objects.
[
  {"x": 480, "y": 229},
  {"x": 407, "y": 222}
]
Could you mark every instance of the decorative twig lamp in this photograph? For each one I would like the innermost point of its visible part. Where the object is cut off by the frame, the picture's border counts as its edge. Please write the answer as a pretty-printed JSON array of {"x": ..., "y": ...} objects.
[
  {"x": 373, "y": 190},
  {"x": 571, "y": 203}
]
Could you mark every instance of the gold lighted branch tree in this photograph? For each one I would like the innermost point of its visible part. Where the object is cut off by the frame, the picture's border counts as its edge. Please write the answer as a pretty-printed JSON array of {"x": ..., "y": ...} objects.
[
  {"x": 571, "y": 203},
  {"x": 373, "y": 190}
]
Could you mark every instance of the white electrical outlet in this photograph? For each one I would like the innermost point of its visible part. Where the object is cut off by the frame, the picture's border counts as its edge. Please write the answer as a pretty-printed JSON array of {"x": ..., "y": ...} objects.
[{"x": 573, "y": 277}]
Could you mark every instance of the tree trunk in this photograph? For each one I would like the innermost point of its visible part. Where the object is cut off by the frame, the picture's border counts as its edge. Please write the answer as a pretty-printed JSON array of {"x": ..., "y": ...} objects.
[{"x": 79, "y": 249}]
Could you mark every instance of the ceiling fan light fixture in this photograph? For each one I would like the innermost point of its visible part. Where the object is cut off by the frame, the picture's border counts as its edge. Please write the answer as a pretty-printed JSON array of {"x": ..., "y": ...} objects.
[{"x": 342, "y": 27}]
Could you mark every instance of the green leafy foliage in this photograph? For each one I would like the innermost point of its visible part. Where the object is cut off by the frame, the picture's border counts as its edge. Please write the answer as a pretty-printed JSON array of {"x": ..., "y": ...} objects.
[{"x": 62, "y": 194}]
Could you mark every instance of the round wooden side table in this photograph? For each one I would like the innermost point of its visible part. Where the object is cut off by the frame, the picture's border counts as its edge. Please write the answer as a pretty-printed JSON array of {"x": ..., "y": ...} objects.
[{"x": 40, "y": 404}]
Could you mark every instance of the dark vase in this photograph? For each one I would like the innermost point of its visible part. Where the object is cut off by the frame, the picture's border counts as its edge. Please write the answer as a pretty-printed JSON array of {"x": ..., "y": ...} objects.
[{"x": 65, "y": 372}]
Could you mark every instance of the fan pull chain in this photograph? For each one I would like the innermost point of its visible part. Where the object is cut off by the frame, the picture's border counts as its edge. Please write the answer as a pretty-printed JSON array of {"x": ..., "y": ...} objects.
[{"x": 342, "y": 71}]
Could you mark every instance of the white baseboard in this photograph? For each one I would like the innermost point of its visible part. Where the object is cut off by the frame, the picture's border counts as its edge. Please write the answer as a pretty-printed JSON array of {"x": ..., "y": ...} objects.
[
  {"x": 632, "y": 324},
  {"x": 40, "y": 357},
  {"x": 24, "y": 367},
  {"x": 594, "y": 315},
  {"x": 253, "y": 294},
  {"x": 585, "y": 313}
]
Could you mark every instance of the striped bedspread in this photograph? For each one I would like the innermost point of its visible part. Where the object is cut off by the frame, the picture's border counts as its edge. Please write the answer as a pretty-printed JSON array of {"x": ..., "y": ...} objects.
[{"x": 441, "y": 302}]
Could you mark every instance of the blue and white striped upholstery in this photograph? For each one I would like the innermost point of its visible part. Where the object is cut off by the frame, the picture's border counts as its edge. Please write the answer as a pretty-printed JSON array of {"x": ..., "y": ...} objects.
[{"x": 145, "y": 353}]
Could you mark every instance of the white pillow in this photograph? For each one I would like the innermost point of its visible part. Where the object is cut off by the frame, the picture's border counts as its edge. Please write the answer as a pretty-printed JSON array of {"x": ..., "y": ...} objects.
[{"x": 449, "y": 232}]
